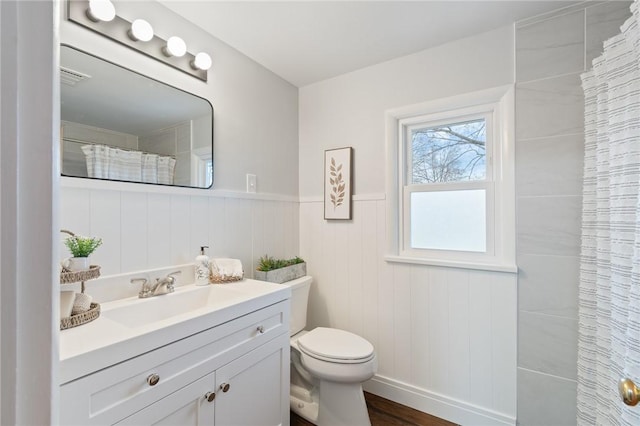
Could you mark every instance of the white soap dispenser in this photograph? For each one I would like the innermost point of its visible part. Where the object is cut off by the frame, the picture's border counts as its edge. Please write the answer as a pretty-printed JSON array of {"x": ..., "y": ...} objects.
[{"x": 202, "y": 267}]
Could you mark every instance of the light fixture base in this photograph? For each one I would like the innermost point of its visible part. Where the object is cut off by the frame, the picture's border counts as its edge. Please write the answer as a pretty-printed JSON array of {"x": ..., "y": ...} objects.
[{"x": 118, "y": 29}]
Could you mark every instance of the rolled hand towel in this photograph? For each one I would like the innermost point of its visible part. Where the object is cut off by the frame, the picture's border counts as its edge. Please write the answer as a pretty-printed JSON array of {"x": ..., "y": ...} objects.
[
  {"x": 81, "y": 304},
  {"x": 226, "y": 268}
]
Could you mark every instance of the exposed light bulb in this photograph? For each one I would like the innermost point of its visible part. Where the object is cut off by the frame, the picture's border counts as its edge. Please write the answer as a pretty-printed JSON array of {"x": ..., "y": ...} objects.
[
  {"x": 140, "y": 30},
  {"x": 101, "y": 10},
  {"x": 175, "y": 47},
  {"x": 202, "y": 62}
]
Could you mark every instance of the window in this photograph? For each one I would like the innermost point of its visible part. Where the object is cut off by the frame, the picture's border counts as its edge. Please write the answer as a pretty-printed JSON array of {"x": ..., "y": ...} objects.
[
  {"x": 451, "y": 182},
  {"x": 447, "y": 183}
]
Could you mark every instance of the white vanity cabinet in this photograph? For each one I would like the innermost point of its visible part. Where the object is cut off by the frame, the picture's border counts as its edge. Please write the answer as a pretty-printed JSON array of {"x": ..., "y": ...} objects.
[{"x": 184, "y": 382}]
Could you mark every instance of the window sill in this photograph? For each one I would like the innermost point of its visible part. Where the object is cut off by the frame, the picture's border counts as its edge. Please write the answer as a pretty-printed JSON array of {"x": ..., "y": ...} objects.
[{"x": 495, "y": 267}]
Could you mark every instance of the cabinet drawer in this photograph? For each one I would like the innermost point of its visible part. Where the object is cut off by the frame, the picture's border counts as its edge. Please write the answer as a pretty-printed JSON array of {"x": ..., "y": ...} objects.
[
  {"x": 116, "y": 392},
  {"x": 187, "y": 406}
]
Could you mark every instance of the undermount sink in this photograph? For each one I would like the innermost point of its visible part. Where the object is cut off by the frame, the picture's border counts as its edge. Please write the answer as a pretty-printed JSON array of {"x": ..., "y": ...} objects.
[{"x": 184, "y": 301}]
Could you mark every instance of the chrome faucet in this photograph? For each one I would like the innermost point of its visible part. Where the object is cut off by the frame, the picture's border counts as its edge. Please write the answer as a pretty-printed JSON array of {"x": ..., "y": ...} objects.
[{"x": 161, "y": 286}]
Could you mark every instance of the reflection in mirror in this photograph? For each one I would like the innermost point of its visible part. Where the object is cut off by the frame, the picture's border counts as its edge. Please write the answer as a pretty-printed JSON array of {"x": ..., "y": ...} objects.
[{"x": 120, "y": 125}]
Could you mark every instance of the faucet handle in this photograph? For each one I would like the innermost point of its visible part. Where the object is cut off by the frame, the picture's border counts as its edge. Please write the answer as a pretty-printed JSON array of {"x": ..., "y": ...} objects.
[
  {"x": 135, "y": 280},
  {"x": 145, "y": 289},
  {"x": 172, "y": 278}
]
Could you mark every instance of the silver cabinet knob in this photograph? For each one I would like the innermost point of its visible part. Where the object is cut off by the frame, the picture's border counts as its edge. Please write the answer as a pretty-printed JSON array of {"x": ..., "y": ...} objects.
[
  {"x": 153, "y": 379},
  {"x": 260, "y": 329},
  {"x": 629, "y": 392},
  {"x": 210, "y": 396},
  {"x": 225, "y": 387}
]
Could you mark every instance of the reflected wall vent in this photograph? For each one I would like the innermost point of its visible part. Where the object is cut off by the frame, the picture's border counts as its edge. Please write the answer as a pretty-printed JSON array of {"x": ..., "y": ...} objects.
[{"x": 71, "y": 77}]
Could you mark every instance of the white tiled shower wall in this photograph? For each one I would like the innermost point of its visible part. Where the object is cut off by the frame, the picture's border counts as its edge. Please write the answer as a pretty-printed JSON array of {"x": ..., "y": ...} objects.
[{"x": 551, "y": 53}]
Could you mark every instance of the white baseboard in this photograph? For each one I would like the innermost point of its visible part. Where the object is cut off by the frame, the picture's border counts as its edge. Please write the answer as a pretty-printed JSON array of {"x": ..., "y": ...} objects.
[{"x": 447, "y": 408}]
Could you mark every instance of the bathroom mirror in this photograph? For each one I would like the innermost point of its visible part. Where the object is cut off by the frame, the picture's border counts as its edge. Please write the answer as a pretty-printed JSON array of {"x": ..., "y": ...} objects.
[{"x": 119, "y": 125}]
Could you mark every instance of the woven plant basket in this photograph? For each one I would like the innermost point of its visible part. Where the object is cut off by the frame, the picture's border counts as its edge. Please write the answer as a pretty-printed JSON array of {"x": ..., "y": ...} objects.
[
  {"x": 79, "y": 319},
  {"x": 77, "y": 276},
  {"x": 70, "y": 277}
]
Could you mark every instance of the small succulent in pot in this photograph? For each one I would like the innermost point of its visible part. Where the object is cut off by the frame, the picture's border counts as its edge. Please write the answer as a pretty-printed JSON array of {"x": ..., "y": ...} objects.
[
  {"x": 267, "y": 263},
  {"x": 80, "y": 246},
  {"x": 280, "y": 270}
]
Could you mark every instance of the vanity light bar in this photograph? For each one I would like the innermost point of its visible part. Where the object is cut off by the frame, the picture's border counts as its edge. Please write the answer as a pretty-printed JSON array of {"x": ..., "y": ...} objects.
[
  {"x": 101, "y": 10},
  {"x": 175, "y": 47},
  {"x": 140, "y": 30},
  {"x": 120, "y": 30},
  {"x": 202, "y": 61}
]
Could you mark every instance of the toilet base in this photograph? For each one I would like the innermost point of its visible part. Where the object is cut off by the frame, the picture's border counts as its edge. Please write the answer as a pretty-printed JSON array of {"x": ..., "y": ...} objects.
[
  {"x": 304, "y": 407},
  {"x": 339, "y": 405},
  {"x": 342, "y": 404},
  {"x": 303, "y": 394}
]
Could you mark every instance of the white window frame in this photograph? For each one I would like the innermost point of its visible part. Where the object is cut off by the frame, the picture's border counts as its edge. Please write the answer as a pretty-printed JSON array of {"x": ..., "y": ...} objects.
[
  {"x": 200, "y": 159},
  {"x": 496, "y": 106}
]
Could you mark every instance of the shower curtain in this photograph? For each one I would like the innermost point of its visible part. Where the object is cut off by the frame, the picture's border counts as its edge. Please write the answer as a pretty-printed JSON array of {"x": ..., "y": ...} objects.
[
  {"x": 135, "y": 166},
  {"x": 609, "y": 292}
]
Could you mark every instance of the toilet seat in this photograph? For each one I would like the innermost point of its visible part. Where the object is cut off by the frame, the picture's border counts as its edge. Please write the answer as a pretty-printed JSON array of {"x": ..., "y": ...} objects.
[{"x": 337, "y": 346}]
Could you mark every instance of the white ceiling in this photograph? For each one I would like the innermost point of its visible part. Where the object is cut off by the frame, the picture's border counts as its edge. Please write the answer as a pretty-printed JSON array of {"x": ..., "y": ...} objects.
[{"x": 309, "y": 41}]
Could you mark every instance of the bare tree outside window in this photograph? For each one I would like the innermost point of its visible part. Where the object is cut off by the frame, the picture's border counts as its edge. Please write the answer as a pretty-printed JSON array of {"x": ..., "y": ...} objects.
[{"x": 449, "y": 153}]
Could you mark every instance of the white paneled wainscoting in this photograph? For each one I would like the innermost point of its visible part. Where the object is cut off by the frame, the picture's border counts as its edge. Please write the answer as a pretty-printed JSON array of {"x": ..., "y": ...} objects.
[
  {"x": 445, "y": 337},
  {"x": 152, "y": 226}
]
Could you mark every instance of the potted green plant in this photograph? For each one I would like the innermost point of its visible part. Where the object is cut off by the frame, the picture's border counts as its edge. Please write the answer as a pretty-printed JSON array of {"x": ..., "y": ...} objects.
[
  {"x": 280, "y": 270},
  {"x": 80, "y": 248}
]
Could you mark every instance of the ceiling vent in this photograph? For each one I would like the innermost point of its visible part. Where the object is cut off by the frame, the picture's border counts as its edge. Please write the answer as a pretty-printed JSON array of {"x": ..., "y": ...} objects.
[{"x": 71, "y": 77}]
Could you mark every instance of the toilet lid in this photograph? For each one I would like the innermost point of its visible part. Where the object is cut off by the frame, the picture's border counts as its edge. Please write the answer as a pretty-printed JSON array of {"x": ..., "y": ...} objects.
[{"x": 334, "y": 344}]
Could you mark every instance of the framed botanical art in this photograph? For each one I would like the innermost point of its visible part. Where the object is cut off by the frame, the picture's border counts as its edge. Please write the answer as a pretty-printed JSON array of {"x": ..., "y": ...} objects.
[{"x": 337, "y": 183}]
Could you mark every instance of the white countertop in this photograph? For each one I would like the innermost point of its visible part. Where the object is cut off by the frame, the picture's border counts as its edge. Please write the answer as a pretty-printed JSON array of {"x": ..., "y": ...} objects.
[{"x": 104, "y": 341}]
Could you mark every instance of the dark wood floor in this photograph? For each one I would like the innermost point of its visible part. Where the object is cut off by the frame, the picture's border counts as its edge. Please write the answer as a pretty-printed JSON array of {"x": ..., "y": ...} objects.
[{"x": 383, "y": 412}]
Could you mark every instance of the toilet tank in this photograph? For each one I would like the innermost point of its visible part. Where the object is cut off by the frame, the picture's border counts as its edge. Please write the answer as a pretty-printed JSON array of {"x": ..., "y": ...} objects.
[{"x": 299, "y": 298}]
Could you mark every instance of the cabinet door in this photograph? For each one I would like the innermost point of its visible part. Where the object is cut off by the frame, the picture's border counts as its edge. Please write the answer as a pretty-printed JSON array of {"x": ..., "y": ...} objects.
[
  {"x": 187, "y": 406},
  {"x": 254, "y": 389}
]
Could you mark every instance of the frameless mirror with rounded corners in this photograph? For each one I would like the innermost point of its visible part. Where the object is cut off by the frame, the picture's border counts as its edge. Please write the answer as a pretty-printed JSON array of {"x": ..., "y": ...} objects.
[{"x": 119, "y": 125}]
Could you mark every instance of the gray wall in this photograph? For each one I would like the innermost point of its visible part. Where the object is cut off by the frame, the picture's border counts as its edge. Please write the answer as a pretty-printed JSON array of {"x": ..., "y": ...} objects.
[
  {"x": 255, "y": 112},
  {"x": 551, "y": 53},
  {"x": 255, "y": 131}
]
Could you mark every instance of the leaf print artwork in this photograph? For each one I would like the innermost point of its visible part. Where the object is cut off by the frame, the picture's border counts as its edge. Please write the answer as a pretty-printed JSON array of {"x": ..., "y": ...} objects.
[{"x": 337, "y": 184}]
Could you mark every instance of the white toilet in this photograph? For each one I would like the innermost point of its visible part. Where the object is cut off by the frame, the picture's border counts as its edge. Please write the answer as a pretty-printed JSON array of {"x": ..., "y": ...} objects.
[{"x": 328, "y": 367}]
